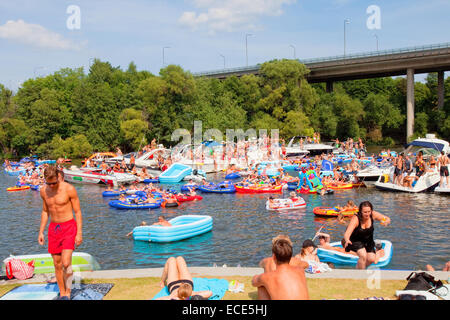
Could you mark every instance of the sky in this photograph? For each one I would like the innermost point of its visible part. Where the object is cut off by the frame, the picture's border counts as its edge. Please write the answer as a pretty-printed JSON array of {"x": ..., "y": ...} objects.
[{"x": 38, "y": 38}]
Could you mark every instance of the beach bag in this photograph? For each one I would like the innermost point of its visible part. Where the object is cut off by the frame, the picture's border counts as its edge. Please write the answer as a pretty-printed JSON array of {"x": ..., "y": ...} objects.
[
  {"x": 422, "y": 281},
  {"x": 16, "y": 268}
]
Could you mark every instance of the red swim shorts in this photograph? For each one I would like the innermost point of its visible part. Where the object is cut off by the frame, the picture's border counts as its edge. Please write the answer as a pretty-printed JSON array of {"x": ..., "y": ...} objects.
[{"x": 61, "y": 236}]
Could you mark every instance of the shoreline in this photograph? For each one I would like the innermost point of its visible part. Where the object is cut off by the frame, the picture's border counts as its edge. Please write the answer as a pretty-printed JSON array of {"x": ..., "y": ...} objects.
[{"x": 350, "y": 274}]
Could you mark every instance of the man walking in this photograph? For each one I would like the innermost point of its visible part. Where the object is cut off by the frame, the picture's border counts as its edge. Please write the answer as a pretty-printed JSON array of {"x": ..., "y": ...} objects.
[{"x": 60, "y": 200}]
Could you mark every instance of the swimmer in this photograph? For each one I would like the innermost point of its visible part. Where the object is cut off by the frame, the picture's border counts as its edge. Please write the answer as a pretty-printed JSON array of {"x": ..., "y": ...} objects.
[
  {"x": 143, "y": 223},
  {"x": 162, "y": 222}
]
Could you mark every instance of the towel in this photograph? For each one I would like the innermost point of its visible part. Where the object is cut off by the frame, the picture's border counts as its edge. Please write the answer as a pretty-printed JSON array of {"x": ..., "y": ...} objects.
[
  {"x": 317, "y": 267},
  {"x": 50, "y": 291},
  {"x": 217, "y": 286}
]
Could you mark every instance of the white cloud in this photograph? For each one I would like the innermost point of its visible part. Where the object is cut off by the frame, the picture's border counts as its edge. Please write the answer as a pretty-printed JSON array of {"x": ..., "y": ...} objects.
[
  {"x": 35, "y": 35},
  {"x": 231, "y": 15}
]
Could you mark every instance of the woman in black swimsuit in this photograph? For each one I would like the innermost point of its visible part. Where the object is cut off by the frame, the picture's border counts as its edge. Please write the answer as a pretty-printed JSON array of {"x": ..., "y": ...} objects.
[
  {"x": 359, "y": 234},
  {"x": 179, "y": 281}
]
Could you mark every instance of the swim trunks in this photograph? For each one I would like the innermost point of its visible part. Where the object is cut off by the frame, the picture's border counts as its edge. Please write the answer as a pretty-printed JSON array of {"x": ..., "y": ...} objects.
[
  {"x": 61, "y": 236},
  {"x": 444, "y": 171}
]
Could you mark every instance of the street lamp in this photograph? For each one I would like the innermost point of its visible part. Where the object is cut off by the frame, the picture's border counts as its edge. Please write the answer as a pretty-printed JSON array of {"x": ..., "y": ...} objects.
[
  {"x": 377, "y": 40},
  {"x": 246, "y": 47},
  {"x": 346, "y": 21},
  {"x": 295, "y": 57},
  {"x": 164, "y": 61},
  {"x": 223, "y": 59}
]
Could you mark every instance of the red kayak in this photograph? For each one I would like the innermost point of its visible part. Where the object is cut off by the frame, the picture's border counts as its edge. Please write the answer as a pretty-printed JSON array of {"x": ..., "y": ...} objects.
[
  {"x": 188, "y": 198},
  {"x": 277, "y": 189}
]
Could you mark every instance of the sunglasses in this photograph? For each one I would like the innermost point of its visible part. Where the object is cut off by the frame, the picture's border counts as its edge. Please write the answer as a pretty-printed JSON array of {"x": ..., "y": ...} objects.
[{"x": 51, "y": 183}]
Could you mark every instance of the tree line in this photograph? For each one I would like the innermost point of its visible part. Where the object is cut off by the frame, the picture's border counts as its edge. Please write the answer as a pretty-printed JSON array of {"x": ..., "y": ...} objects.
[{"x": 71, "y": 113}]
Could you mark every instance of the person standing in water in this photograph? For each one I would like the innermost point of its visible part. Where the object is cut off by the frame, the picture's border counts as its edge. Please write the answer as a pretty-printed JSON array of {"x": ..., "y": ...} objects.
[
  {"x": 60, "y": 201},
  {"x": 359, "y": 234}
]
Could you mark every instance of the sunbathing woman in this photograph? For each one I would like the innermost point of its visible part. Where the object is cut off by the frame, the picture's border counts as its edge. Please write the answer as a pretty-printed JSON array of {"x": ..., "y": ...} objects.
[{"x": 179, "y": 281}]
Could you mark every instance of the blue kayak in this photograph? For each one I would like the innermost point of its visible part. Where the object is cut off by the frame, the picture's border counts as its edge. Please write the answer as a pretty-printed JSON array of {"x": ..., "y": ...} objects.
[
  {"x": 183, "y": 227},
  {"x": 156, "y": 180},
  {"x": 113, "y": 193},
  {"x": 129, "y": 205},
  {"x": 234, "y": 175},
  {"x": 219, "y": 188},
  {"x": 186, "y": 187}
]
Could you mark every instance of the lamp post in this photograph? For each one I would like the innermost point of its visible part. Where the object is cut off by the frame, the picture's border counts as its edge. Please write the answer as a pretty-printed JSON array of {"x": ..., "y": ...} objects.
[
  {"x": 246, "y": 47},
  {"x": 346, "y": 21},
  {"x": 377, "y": 40},
  {"x": 295, "y": 56},
  {"x": 164, "y": 61},
  {"x": 223, "y": 59}
]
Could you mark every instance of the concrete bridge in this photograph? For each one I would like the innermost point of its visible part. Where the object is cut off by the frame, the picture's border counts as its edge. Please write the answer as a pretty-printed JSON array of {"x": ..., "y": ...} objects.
[{"x": 407, "y": 61}]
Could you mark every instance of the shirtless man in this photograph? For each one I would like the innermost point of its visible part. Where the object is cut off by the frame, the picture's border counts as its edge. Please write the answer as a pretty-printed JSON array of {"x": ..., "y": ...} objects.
[
  {"x": 443, "y": 162},
  {"x": 268, "y": 264},
  {"x": 162, "y": 222},
  {"x": 60, "y": 200},
  {"x": 286, "y": 282}
]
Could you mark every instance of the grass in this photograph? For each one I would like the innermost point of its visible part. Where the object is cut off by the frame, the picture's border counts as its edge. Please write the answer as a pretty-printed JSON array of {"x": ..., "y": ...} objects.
[{"x": 340, "y": 289}]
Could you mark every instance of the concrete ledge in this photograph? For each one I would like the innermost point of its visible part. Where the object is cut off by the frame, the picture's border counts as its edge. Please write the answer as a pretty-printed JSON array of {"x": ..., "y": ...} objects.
[{"x": 234, "y": 271}]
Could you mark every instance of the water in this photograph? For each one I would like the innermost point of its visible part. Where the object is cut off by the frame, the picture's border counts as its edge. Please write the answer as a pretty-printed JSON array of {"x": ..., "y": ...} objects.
[{"x": 242, "y": 230}]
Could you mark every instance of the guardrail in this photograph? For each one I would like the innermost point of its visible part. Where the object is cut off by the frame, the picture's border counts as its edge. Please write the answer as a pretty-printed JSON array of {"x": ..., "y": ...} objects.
[{"x": 333, "y": 58}]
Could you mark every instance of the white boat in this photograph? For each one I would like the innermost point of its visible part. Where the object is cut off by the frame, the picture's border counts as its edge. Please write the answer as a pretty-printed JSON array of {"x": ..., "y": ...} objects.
[
  {"x": 428, "y": 181},
  {"x": 295, "y": 151},
  {"x": 149, "y": 160},
  {"x": 429, "y": 146},
  {"x": 371, "y": 174},
  {"x": 442, "y": 190},
  {"x": 93, "y": 176}
]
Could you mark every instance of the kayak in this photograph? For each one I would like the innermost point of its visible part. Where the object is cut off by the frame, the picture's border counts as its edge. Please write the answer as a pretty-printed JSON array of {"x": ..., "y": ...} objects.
[
  {"x": 43, "y": 263},
  {"x": 128, "y": 205},
  {"x": 185, "y": 198},
  {"x": 18, "y": 188},
  {"x": 233, "y": 175},
  {"x": 112, "y": 193},
  {"x": 346, "y": 259},
  {"x": 183, "y": 227},
  {"x": 344, "y": 186},
  {"x": 156, "y": 180},
  {"x": 286, "y": 204},
  {"x": 217, "y": 189},
  {"x": 241, "y": 189},
  {"x": 333, "y": 212},
  {"x": 186, "y": 187}
]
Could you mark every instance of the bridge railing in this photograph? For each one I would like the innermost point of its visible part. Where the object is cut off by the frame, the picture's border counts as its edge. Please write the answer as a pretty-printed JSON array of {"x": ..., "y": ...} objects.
[{"x": 333, "y": 58}]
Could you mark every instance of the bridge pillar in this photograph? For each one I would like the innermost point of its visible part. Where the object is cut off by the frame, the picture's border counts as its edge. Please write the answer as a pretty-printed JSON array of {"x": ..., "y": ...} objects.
[
  {"x": 440, "y": 89},
  {"x": 329, "y": 86},
  {"x": 409, "y": 103}
]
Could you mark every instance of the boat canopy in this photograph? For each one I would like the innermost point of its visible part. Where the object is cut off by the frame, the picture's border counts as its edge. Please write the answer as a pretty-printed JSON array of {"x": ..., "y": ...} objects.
[{"x": 427, "y": 144}]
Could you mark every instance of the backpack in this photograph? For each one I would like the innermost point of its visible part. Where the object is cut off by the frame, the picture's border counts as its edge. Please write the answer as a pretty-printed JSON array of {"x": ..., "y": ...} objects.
[
  {"x": 16, "y": 268},
  {"x": 422, "y": 281}
]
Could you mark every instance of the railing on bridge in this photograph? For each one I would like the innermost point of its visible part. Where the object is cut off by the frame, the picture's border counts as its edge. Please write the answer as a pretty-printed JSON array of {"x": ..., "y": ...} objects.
[{"x": 333, "y": 58}]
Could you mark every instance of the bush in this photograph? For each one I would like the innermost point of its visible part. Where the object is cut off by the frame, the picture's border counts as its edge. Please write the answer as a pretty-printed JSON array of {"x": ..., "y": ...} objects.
[{"x": 388, "y": 142}]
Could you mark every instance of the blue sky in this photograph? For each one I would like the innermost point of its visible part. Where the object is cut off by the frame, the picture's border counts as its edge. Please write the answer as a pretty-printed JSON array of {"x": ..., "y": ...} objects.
[{"x": 35, "y": 39}]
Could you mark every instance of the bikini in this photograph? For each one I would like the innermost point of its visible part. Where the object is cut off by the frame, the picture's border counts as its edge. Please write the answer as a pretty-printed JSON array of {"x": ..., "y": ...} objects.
[{"x": 176, "y": 284}]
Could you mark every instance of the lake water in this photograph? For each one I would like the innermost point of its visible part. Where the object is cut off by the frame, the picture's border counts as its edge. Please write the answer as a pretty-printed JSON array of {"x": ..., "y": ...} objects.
[{"x": 242, "y": 230}]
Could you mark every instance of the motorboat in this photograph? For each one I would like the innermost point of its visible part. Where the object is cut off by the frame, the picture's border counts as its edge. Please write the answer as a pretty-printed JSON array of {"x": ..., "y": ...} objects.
[
  {"x": 98, "y": 157},
  {"x": 429, "y": 146},
  {"x": 371, "y": 174},
  {"x": 94, "y": 176},
  {"x": 295, "y": 150}
]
